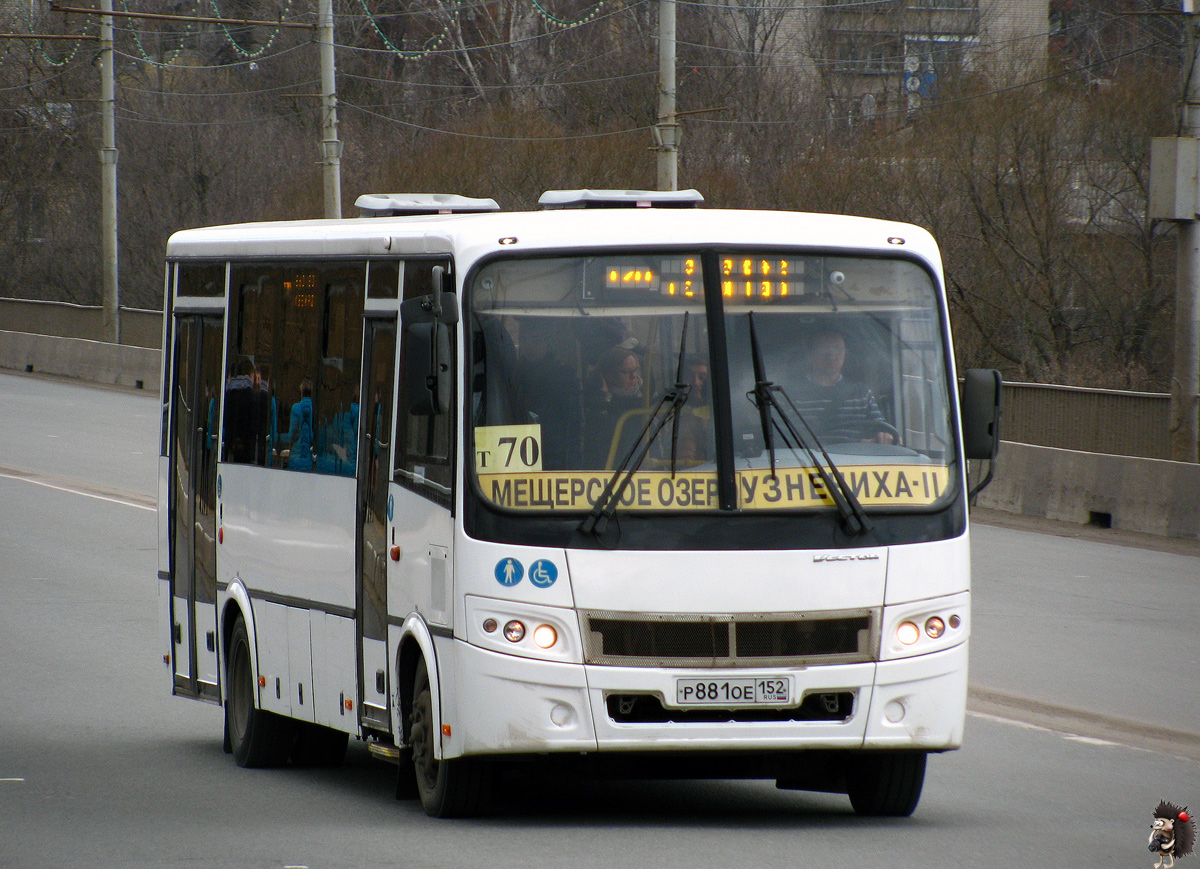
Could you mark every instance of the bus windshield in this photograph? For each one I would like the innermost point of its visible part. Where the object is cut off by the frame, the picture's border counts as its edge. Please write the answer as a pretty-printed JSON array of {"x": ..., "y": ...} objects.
[{"x": 587, "y": 365}]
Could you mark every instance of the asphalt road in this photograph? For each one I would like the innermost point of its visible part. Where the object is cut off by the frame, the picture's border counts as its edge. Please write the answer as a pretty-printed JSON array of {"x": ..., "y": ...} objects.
[{"x": 1084, "y": 710}]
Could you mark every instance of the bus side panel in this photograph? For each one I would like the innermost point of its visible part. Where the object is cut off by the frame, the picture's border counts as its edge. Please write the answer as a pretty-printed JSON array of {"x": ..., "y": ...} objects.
[
  {"x": 164, "y": 515},
  {"x": 422, "y": 580},
  {"x": 289, "y": 533},
  {"x": 271, "y": 637},
  {"x": 333, "y": 663},
  {"x": 299, "y": 646},
  {"x": 164, "y": 621}
]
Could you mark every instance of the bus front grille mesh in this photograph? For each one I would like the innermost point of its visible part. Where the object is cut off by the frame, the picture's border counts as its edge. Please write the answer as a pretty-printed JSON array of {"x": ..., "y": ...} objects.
[{"x": 741, "y": 640}]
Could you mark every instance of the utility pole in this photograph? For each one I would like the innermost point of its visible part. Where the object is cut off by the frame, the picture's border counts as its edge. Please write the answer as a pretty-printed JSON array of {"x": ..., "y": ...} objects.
[
  {"x": 1185, "y": 384},
  {"x": 108, "y": 179},
  {"x": 331, "y": 146},
  {"x": 1175, "y": 196},
  {"x": 666, "y": 133}
]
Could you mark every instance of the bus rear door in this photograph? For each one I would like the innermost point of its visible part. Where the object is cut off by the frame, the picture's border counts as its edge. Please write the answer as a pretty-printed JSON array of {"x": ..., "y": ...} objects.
[{"x": 196, "y": 410}]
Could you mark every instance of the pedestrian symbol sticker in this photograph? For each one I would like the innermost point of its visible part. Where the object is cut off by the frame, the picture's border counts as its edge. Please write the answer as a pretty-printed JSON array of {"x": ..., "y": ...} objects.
[
  {"x": 509, "y": 571},
  {"x": 542, "y": 573}
]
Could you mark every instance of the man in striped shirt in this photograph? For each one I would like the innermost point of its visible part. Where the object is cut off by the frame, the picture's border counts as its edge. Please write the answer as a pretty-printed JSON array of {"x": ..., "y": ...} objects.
[{"x": 837, "y": 409}]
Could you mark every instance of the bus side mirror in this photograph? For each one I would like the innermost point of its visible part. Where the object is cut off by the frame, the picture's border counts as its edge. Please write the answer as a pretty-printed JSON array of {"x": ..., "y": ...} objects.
[
  {"x": 427, "y": 368},
  {"x": 441, "y": 305},
  {"x": 980, "y": 403},
  {"x": 426, "y": 321}
]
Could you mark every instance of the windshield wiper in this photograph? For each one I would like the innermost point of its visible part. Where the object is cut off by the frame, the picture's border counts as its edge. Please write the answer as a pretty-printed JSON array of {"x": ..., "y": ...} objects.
[
  {"x": 772, "y": 416},
  {"x": 667, "y": 411}
]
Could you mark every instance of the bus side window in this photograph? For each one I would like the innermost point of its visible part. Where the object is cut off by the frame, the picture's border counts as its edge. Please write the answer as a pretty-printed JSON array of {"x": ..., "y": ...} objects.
[
  {"x": 250, "y": 428},
  {"x": 341, "y": 336},
  {"x": 424, "y": 443}
]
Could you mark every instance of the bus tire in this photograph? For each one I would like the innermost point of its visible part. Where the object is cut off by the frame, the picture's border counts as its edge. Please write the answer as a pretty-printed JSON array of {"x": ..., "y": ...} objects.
[
  {"x": 886, "y": 783},
  {"x": 257, "y": 738},
  {"x": 454, "y": 788}
]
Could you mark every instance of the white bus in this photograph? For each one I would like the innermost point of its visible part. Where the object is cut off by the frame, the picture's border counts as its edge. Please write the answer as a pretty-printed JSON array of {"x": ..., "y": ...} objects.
[{"x": 625, "y": 484}]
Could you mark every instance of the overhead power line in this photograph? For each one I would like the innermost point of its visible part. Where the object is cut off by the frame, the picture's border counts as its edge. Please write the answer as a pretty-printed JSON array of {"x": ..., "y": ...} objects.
[{"x": 194, "y": 19}]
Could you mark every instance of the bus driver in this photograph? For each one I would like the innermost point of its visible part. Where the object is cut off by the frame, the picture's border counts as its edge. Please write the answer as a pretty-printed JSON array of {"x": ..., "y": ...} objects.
[{"x": 834, "y": 406}]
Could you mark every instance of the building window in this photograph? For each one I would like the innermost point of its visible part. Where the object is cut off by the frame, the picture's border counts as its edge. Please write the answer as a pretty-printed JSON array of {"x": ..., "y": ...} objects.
[{"x": 867, "y": 53}]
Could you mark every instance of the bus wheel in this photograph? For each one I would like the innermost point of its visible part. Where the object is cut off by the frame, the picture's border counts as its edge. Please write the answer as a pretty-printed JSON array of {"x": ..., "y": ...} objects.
[
  {"x": 455, "y": 788},
  {"x": 256, "y": 738},
  {"x": 886, "y": 783}
]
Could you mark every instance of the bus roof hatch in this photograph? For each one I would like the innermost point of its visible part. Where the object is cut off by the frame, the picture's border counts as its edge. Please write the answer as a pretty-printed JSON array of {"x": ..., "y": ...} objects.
[
  {"x": 403, "y": 204},
  {"x": 552, "y": 199}
]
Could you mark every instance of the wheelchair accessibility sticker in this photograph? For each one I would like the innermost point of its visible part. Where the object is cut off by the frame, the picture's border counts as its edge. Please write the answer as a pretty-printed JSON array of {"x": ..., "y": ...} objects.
[
  {"x": 509, "y": 571},
  {"x": 542, "y": 573}
]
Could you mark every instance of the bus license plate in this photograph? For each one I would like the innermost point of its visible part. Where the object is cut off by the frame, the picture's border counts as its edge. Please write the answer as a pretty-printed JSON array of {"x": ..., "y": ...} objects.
[{"x": 743, "y": 691}]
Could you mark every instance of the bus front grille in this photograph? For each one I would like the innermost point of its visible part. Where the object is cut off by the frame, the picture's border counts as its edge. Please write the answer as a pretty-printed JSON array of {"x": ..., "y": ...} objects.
[{"x": 730, "y": 640}]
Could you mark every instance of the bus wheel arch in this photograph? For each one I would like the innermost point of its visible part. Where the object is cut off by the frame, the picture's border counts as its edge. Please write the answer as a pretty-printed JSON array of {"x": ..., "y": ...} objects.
[
  {"x": 232, "y": 613},
  {"x": 450, "y": 787},
  {"x": 408, "y": 658}
]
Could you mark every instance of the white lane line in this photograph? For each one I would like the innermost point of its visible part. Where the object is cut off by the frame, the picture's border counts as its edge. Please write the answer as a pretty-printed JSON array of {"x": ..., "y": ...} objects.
[
  {"x": 12, "y": 779},
  {"x": 127, "y": 502},
  {"x": 1091, "y": 740},
  {"x": 1074, "y": 737}
]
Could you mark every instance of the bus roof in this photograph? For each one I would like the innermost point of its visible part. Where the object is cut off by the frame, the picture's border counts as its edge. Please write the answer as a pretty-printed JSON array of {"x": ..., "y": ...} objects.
[{"x": 470, "y": 237}]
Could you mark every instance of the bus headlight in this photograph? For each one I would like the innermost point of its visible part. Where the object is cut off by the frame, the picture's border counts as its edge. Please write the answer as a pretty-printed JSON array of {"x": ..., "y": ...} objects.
[
  {"x": 925, "y": 626},
  {"x": 527, "y": 630}
]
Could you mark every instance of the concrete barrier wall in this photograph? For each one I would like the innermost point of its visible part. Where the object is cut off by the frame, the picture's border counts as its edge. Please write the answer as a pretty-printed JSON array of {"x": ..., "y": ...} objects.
[
  {"x": 1148, "y": 495},
  {"x": 1153, "y": 496},
  {"x": 93, "y": 361},
  {"x": 138, "y": 327}
]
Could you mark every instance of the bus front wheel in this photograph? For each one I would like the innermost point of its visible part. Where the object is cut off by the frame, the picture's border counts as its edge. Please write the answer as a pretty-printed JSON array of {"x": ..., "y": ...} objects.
[
  {"x": 256, "y": 738},
  {"x": 448, "y": 788},
  {"x": 886, "y": 783}
]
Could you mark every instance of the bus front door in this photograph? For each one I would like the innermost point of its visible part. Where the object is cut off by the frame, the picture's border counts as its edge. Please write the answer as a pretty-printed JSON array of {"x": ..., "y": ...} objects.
[
  {"x": 374, "y": 473},
  {"x": 195, "y": 412}
]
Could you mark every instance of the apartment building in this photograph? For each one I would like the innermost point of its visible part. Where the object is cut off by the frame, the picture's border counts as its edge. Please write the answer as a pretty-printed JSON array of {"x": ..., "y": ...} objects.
[{"x": 879, "y": 60}]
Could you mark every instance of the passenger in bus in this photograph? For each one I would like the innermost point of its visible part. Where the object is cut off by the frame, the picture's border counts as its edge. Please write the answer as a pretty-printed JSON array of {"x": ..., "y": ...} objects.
[
  {"x": 300, "y": 431},
  {"x": 240, "y": 419},
  {"x": 835, "y": 406},
  {"x": 615, "y": 389},
  {"x": 265, "y": 410},
  {"x": 548, "y": 393},
  {"x": 695, "y": 443}
]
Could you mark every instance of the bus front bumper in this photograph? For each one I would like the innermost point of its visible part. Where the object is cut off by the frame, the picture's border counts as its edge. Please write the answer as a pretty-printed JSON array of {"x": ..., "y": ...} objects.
[{"x": 503, "y": 704}]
